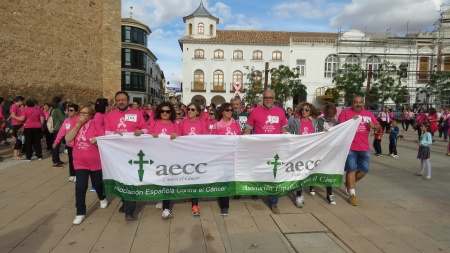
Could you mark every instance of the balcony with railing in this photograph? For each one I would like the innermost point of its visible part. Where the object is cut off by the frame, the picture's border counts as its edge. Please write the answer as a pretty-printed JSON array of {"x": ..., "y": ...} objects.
[
  {"x": 198, "y": 86},
  {"x": 326, "y": 93},
  {"x": 218, "y": 87}
]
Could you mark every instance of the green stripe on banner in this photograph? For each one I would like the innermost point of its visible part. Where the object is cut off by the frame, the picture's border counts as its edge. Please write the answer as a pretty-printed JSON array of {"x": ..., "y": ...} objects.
[
  {"x": 271, "y": 188},
  {"x": 222, "y": 189}
]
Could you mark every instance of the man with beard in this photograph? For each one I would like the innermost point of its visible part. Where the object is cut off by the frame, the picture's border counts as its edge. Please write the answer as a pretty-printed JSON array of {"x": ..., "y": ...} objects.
[
  {"x": 239, "y": 115},
  {"x": 358, "y": 159},
  {"x": 125, "y": 120}
]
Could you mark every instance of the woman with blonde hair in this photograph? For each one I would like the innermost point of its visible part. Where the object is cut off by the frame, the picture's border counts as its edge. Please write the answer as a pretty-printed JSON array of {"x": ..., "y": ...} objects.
[{"x": 86, "y": 160}]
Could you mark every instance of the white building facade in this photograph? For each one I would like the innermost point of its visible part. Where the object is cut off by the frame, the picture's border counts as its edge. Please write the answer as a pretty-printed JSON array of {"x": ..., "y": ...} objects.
[{"x": 214, "y": 59}]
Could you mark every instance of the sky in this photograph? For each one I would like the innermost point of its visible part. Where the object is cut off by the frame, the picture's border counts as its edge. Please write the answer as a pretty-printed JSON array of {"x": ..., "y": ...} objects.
[{"x": 165, "y": 19}]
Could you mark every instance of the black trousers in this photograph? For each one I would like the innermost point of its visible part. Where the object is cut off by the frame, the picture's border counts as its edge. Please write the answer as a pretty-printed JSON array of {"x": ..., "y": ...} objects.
[
  {"x": 70, "y": 155},
  {"x": 81, "y": 186},
  {"x": 224, "y": 202},
  {"x": 166, "y": 204},
  {"x": 55, "y": 151},
  {"x": 377, "y": 146},
  {"x": 384, "y": 125},
  {"x": 33, "y": 139}
]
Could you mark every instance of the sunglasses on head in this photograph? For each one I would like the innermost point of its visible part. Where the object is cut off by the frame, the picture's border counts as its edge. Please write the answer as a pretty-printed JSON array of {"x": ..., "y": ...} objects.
[
  {"x": 166, "y": 111},
  {"x": 192, "y": 109}
]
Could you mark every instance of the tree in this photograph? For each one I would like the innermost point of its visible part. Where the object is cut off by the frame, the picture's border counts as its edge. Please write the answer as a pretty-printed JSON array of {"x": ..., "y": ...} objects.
[
  {"x": 438, "y": 85},
  {"x": 385, "y": 82},
  {"x": 253, "y": 88},
  {"x": 350, "y": 80},
  {"x": 286, "y": 83}
]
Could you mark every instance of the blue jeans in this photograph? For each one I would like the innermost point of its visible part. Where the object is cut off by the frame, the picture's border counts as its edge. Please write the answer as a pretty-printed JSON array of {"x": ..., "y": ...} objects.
[
  {"x": 272, "y": 199},
  {"x": 357, "y": 161}
]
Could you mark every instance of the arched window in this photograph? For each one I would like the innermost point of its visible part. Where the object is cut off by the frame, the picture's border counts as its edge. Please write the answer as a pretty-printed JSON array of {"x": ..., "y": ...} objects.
[
  {"x": 218, "y": 80},
  {"x": 237, "y": 77},
  {"x": 199, "y": 78},
  {"x": 257, "y": 55},
  {"x": 375, "y": 62},
  {"x": 190, "y": 29},
  {"x": 237, "y": 54},
  {"x": 352, "y": 59},
  {"x": 331, "y": 65},
  {"x": 211, "y": 30},
  {"x": 201, "y": 28},
  {"x": 199, "y": 53},
  {"x": 276, "y": 55},
  {"x": 218, "y": 54}
]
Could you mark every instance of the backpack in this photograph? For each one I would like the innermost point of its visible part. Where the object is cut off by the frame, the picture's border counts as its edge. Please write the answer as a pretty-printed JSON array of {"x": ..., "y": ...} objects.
[{"x": 50, "y": 125}]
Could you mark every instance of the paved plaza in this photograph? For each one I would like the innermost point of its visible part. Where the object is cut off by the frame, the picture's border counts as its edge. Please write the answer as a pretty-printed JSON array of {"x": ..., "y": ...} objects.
[{"x": 397, "y": 212}]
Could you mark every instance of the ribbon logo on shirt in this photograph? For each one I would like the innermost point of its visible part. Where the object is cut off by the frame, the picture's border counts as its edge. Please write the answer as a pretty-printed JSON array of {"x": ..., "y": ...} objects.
[
  {"x": 192, "y": 131},
  {"x": 82, "y": 132},
  {"x": 122, "y": 123},
  {"x": 229, "y": 131},
  {"x": 164, "y": 131}
]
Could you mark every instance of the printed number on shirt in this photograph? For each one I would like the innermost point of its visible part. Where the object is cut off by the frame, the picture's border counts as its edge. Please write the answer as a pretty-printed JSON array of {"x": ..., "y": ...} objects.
[
  {"x": 67, "y": 125},
  {"x": 272, "y": 119},
  {"x": 366, "y": 119},
  {"x": 131, "y": 117}
]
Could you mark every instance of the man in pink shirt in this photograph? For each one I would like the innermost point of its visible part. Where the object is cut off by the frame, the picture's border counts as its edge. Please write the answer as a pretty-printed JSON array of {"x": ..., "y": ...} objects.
[
  {"x": 267, "y": 119},
  {"x": 125, "y": 120},
  {"x": 358, "y": 159}
]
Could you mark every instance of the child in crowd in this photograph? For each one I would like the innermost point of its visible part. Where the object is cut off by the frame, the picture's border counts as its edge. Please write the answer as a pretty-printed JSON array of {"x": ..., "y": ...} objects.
[
  {"x": 377, "y": 141},
  {"x": 424, "y": 150},
  {"x": 393, "y": 132}
]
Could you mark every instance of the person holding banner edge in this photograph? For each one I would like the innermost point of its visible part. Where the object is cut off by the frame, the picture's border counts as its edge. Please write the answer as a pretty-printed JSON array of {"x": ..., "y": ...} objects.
[
  {"x": 125, "y": 120},
  {"x": 267, "y": 119},
  {"x": 86, "y": 160},
  {"x": 358, "y": 159},
  {"x": 164, "y": 124}
]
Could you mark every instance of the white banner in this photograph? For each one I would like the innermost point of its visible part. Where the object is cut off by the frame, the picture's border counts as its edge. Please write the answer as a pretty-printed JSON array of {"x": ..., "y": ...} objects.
[{"x": 147, "y": 168}]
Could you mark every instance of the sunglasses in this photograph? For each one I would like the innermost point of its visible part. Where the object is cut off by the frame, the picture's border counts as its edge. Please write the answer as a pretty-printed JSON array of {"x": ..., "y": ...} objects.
[
  {"x": 305, "y": 110},
  {"x": 192, "y": 109},
  {"x": 71, "y": 110},
  {"x": 228, "y": 110},
  {"x": 211, "y": 114},
  {"x": 166, "y": 111}
]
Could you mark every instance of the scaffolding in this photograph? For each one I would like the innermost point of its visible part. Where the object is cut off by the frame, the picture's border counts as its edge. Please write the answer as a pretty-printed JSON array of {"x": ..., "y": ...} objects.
[{"x": 424, "y": 52}]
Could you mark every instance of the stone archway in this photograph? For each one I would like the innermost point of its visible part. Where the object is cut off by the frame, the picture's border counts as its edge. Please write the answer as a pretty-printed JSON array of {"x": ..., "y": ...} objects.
[
  {"x": 199, "y": 99},
  {"x": 218, "y": 100}
]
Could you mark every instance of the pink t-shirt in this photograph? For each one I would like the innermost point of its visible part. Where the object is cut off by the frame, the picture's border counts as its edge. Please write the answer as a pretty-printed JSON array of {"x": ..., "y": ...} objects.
[
  {"x": 161, "y": 128},
  {"x": 361, "y": 140},
  {"x": 15, "y": 109},
  {"x": 210, "y": 124},
  {"x": 230, "y": 128},
  {"x": 196, "y": 127},
  {"x": 307, "y": 127},
  {"x": 1, "y": 114},
  {"x": 125, "y": 122},
  {"x": 32, "y": 117},
  {"x": 66, "y": 126},
  {"x": 100, "y": 118},
  {"x": 86, "y": 155},
  {"x": 267, "y": 121}
]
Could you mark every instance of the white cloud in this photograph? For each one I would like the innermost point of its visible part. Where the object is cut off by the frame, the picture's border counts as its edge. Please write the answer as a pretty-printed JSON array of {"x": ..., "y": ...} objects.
[
  {"x": 160, "y": 33},
  {"x": 315, "y": 9},
  {"x": 380, "y": 15}
]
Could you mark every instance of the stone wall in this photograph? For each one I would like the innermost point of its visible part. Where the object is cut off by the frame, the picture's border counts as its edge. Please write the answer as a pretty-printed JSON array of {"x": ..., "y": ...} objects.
[{"x": 60, "y": 47}]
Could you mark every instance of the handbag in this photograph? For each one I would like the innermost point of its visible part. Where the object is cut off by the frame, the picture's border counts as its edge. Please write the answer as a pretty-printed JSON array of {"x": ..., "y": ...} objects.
[{"x": 22, "y": 129}]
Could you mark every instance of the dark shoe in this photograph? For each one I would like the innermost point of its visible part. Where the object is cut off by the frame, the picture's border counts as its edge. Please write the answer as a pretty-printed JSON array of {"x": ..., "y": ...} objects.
[
  {"x": 236, "y": 197},
  {"x": 224, "y": 211},
  {"x": 62, "y": 163},
  {"x": 56, "y": 166},
  {"x": 129, "y": 217},
  {"x": 122, "y": 208},
  {"x": 254, "y": 197}
]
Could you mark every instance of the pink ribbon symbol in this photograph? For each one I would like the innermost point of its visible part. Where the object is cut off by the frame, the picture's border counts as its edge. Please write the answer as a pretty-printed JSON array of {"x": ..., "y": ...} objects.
[
  {"x": 122, "y": 123},
  {"x": 237, "y": 92},
  {"x": 192, "y": 131},
  {"x": 229, "y": 131},
  {"x": 164, "y": 131}
]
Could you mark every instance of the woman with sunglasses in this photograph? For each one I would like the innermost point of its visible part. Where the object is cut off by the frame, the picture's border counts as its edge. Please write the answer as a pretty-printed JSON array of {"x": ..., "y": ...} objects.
[
  {"x": 180, "y": 115},
  {"x": 164, "y": 124},
  {"x": 303, "y": 125},
  {"x": 193, "y": 125},
  {"x": 67, "y": 126},
  {"x": 211, "y": 118},
  {"x": 225, "y": 125},
  {"x": 86, "y": 160}
]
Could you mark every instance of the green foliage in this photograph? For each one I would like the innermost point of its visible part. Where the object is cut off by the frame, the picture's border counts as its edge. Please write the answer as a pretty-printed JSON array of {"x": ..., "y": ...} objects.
[
  {"x": 438, "y": 85},
  {"x": 389, "y": 82},
  {"x": 285, "y": 83},
  {"x": 253, "y": 88},
  {"x": 349, "y": 79}
]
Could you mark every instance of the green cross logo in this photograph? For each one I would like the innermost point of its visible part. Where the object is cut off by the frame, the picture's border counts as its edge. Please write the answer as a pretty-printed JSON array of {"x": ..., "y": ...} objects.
[
  {"x": 275, "y": 165},
  {"x": 141, "y": 163}
]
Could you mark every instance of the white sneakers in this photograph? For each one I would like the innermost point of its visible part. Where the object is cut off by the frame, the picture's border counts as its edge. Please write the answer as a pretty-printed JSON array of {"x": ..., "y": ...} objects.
[
  {"x": 166, "y": 214},
  {"x": 299, "y": 201},
  {"x": 78, "y": 219},
  {"x": 159, "y": 205},
  {"x": 103, "y": 203},
  {"x": 72, "y": 179}
]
